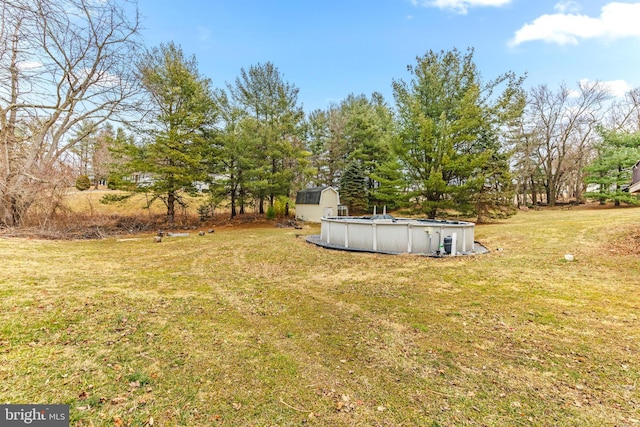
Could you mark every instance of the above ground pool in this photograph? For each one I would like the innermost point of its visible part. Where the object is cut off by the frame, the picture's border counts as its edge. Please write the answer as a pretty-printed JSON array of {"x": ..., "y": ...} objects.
[{"x": 386, "y": 234}]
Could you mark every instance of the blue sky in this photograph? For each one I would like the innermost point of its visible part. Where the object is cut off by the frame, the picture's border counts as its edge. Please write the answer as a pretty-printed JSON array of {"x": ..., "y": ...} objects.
[{"x": 333, "y": 48}]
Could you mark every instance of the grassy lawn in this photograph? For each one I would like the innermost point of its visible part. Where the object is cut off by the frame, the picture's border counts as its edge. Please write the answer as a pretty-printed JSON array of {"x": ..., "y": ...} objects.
[{"x": 253, "y": 326}]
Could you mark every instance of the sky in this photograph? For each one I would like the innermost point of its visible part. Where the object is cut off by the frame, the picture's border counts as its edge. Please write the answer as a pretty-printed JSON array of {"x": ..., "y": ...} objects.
[{"x": 332, "y": 48}]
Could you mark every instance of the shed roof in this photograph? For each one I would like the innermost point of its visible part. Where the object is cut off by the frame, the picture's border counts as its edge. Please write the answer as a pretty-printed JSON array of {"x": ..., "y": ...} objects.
[{"x": 310, "y": 196}]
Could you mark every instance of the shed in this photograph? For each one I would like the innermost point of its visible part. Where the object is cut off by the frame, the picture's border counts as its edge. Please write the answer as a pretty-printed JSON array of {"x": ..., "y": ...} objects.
[
  {"x": 635, "y": 183},
  {"x": 317, "y": 202}
]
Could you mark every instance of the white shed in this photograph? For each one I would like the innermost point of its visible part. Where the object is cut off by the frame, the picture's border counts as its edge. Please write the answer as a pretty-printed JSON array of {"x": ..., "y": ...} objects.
[{"x": 314, "y": 203}]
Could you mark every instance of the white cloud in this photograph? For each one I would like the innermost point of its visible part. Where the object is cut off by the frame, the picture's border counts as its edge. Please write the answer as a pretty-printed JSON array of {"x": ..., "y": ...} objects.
[
  {"x": 99, "y": 79},
  {"x": 567, "y": 7},
  {"x": 109, "y": 80},
  {"x": 615, "y": 88},
  {"x": 617, "y": 20},
  {"x": 460, "y": 6},
  {"x": 28, "y": 65}
]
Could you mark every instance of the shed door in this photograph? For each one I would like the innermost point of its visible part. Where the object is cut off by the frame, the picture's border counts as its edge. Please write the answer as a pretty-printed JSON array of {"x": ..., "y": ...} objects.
[{"x": 328, "y": 212}]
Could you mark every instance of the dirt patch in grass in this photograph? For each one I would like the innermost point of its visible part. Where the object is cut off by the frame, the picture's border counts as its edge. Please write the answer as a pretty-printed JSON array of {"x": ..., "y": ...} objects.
[{"x": 626, "y": 243}]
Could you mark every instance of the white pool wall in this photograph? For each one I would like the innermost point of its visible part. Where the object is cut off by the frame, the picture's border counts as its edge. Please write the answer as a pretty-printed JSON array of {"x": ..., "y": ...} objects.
[{"x": 402, "y": 235}]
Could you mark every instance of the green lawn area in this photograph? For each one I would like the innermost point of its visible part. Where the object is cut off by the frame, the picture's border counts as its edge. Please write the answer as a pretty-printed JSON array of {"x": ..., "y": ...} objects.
[{"x": 252, "y": 326}]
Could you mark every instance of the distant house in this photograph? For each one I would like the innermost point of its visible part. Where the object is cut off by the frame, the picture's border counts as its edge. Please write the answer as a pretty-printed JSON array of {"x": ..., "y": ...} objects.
[
  {"x": 141, "y": 179},
  {"x": 314, "y": 203},
  {"x": 635, "y": 183}
]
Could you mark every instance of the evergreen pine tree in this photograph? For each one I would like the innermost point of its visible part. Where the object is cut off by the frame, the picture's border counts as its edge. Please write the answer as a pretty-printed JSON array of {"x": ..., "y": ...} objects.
[
  {"x": 612, "y": 169},
  {"x": 353, "y": 191}
]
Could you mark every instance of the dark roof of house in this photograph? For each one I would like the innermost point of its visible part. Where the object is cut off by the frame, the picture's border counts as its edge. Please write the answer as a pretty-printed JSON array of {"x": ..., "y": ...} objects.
[{"x": 309, "y": 196}]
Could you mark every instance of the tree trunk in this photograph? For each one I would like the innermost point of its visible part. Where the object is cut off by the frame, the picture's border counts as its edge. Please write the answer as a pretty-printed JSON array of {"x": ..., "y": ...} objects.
[
  {"x": 241, "y": 200},
  {"x": 171, "y": 207},
  {"x": 551, "y": 193},
  {"x": 233, "y": 204},
  {"x": 274, "y": 169},
  {"x": 15, "y": 212},
  {"x": 603, "y": 200},
  {"x": 617, "y": 203},
  {"x": 233, "y": 195},
  {"x": 431, "y": 212},
  {"x": 534, "y": 192},
  {"x": 578, "y": 191}
]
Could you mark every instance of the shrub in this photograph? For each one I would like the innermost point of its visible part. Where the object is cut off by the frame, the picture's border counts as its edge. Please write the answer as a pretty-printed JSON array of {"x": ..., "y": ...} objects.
[
  {"x": 112, "y": 183},
  {"x": 118, "y": 183},
  {"x": 283, "y": 205},
  {"x": 271, "y": 213},
  {"x": 205, "y": 211},
  {"x": 114, "y": 198},
  {"x": 83, "y": 183}
]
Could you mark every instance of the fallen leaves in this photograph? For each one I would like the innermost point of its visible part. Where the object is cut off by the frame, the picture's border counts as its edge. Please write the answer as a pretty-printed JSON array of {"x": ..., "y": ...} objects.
[
  {"x": 627, "y": 243},
  {"x": 344, "y": 404},
  {"x": 118, "y": 400}
]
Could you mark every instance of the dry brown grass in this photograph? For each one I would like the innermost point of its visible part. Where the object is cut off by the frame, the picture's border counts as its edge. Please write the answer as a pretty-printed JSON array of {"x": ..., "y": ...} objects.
[
  {"x": 84, "y": 215},
  {"x": 254, "y": 326}
]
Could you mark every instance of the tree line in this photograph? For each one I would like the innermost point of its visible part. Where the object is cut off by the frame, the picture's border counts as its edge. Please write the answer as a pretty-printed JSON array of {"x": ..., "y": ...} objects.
[{"x": 81, "y": 95}]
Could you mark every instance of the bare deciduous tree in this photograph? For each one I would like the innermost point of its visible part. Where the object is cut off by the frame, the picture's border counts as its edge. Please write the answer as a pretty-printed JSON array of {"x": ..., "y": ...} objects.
[
  {"x": 624, "y": 115},
  {"x": 561, "y": 127},
  {"x": 61, "y": 62}
]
